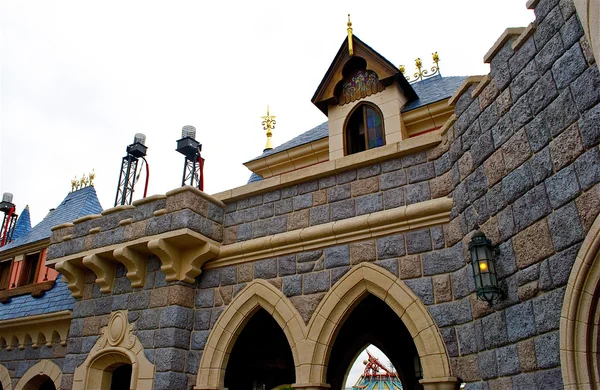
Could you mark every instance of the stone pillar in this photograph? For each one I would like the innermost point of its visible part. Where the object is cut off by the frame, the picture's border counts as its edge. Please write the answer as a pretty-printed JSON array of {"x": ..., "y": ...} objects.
[
  {"x": 448, "y": 383},
  {"x": 588, "y": 12}
]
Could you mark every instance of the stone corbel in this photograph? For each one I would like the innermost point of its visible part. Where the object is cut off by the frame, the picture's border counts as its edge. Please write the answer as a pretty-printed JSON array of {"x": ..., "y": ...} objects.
[
  {"x": 104, "y": 269},
  {"x": 135, "y": 262},
  {"x": 182, "y": 264},
  {"x": 74, "y": 275}
]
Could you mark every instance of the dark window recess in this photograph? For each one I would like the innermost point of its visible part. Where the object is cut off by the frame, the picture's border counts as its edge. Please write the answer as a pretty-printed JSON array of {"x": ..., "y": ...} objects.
[
  {"x": 364, "y": 129},
  {"x": 29, "y": 269},
  {"x": 4, "y": 274},
  {"x": 121, "y": 378}
]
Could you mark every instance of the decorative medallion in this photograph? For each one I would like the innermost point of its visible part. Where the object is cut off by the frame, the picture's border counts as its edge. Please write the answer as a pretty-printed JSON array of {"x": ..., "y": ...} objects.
[
  {"x": 361, "y": 84},
  {"x": 118, "y": 332}
]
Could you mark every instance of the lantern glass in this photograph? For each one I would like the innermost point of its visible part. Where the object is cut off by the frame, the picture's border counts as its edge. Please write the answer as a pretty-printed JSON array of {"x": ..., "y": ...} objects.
[{"x": 484, "y": 268}]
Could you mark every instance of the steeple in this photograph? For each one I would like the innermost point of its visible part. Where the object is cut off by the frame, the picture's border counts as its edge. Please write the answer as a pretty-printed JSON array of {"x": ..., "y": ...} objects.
[{"x": 268, "y": 125}]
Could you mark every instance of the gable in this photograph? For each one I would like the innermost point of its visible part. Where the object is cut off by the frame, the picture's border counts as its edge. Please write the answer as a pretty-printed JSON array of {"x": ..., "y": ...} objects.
[{"x": 386, "y": 71}]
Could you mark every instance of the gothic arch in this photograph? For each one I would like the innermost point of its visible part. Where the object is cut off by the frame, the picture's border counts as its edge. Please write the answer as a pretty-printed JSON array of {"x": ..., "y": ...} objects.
[
  {"x": 44, "y": 367},
  {"x": 579, "y": 324},
  {"x": 367, "y": 278},
  {"x": 117, "y": 345},
  {"x": 5, "y": 378},
  {"x": 257, "y": 294}
]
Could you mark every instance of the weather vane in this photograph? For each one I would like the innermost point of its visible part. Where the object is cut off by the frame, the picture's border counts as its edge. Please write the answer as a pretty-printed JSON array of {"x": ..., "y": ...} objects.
[
  {"x": 268, "y": 125},
  {"x": 350, "y": 48},
  {"x": 421, "y": 73},
  {"x": 86, "y": 180}
]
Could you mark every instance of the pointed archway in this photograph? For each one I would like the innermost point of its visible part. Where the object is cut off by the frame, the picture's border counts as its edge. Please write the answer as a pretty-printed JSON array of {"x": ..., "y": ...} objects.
[
  {"x": 579, "y": 324},
  {"x": 368, "y": 279},
  {"x": 5, "y": 382},
  {"x": 257, "y": 295},
  {"x": 43, "y": 375}
]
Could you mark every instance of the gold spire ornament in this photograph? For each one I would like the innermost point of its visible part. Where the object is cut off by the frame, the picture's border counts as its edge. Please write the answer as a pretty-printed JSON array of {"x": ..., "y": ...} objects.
[
  {"x": 350, "y": 48},
  {"x": 85, "y": 181},
  {"x": 421, "y": 73},
  {"x": 268, "y": 125}
]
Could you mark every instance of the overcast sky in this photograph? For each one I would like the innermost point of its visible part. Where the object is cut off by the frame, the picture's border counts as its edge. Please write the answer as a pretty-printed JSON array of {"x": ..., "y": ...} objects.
[{"x": 78, "y": 79}]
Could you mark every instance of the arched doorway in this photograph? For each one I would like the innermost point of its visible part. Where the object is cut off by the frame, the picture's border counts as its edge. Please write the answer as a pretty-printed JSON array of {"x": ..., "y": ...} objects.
[
  {"x": 40, "y": 382},
  {"x": 373, "y": 322},
  {"x": 261, "y": 358},
  {"x": 121, "y": 376}
]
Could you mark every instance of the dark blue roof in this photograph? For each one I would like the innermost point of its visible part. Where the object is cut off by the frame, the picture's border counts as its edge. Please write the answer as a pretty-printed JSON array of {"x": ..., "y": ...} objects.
[
  {"x": 23, "y": 225},
  {"x": 254, "y": 177},
  {"x": 76, "y": 205},
  {"x": 433, "y": 90},
  {"x": 57, "y": 299}
]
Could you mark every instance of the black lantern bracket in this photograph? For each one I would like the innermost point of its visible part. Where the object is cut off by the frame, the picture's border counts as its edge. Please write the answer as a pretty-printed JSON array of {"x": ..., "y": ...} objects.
[{"x": 483, "y": 261}]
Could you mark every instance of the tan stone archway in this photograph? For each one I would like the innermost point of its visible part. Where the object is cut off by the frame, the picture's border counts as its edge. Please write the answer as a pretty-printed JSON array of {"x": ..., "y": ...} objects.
[
  {"x": 5, "y": 378},
  {"x": 366, "y": 279},
  {"x": 44, "y": 367},
  {"x": 579, "y": 322},
  {"x": 257, "y": 294},
  {"x": 117, "y": 345}
]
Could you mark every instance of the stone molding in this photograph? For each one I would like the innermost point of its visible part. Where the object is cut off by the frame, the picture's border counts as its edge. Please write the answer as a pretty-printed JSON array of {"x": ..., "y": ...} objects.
[
  {"x": 415, "y": 216},
  {"x": 312, "y": 343},
  {"x": 508, "y": 34},
  {"x": 5, "y": 381},
  {"x": 37, "y": 330},
  {"x": 182, "y": 253},
  {"x": 44, "y": 367},
  {"x": 36, "y": 290},
  {"x": 464, "y": 87},
  {"x": 117, "y": 344},
  {"x": 371, "y": 156},
  {"x": 579, "y": 316}
]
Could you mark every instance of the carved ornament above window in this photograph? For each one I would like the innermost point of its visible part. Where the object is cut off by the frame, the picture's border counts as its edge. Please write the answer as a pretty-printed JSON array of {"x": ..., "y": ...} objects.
[{"x": 360, "y": 84}]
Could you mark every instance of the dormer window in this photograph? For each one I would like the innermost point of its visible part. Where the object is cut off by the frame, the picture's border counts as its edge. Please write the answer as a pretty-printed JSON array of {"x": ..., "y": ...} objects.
[
  {"x": 5, "y": 274},
  {"x": 364, "y": 129},
  {"x": 30, "y": 269}
]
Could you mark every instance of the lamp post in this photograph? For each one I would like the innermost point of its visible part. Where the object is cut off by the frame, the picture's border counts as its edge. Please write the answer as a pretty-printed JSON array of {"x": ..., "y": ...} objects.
[
  {"x": 483, "y": 261},
  {"x": 129, "y": 166},
  {"x": 193, "y": 168}
]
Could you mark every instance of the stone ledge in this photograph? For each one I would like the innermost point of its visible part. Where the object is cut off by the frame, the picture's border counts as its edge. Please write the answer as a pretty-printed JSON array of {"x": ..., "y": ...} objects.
[
  {"x": 529, "y": 30},
  {"x": 329, "y": 168},
  {"x": 463, "y": 88},
  {"x": 381, "y": 223},
  {"x": 509, "y": 33},
  {"x": 39, "y": 329},
  {"x": 531, "y": 4},
  {"x": 482, "y": 84}
]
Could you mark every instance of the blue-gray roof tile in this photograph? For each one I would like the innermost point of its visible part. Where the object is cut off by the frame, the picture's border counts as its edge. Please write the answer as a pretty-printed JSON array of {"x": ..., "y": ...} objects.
[
  {"x": 433, "y": 90},
  {"x": 23, "y": 225}
]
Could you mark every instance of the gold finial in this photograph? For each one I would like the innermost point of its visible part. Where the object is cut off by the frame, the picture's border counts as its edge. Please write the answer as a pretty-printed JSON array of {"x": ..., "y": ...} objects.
[
  {"x": 86, "y": 180},
  {"x": 421, "y": 73},
  {"x": 268, "y": 124},
  {"x": 402, "y": 69},
  {"x": 350, "y": 47}
]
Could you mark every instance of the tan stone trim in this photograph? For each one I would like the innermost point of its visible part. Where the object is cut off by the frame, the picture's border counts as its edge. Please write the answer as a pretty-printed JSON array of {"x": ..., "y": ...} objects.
[
  {"x": 117, "y": 344},
  {"x": 288, "y": 160},
  {"x": 196, "y": 191},
  {"x": 509, "y": 33},
  {"x": 29, "y": 248},
  {"x": 5, "y": 378},
  {"x": 257, "y": 294},
  {"x": 529, "y": 30},
  {"x": 482, "y": 84},
  {"x": 463, "y": 88},
  {"x": 531, "y": 4},
  {"x": 39, "y": 329},
  {"x": 62, "y": 226},
  {"x": 86, "y": 218},
  {"x": 182, "y": 253},
  {"x": 381, "y": 223},
  {"x": 449, "y": 123},
  {"x": 44, "y": 367},
  {"x": 328, "y": 168},
  {"x": 149, "y": 199},
  {"x": 580, "y": 311},
  {"x": 427, "y": 118},
  {"x": 116, "y": 209}
]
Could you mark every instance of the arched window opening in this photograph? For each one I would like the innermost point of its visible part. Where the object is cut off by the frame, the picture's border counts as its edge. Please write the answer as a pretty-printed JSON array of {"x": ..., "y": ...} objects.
[
  {"x": 258, "y": 365},
  {"x": 40, "y": 382},
  {"x": 373, "y": 322},
  {"x": 121, "y": 377},
  {"x": 364, "y": 129}
]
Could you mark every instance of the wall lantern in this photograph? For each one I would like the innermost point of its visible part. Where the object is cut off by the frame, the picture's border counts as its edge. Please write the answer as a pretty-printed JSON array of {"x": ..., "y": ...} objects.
[{"x": 484, "y": 268}]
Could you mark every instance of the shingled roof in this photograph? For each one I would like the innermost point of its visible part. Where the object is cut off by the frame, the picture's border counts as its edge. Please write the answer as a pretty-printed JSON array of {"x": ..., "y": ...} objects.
[
  {"x": 76, "y": 205},
  {"x": 23, "y": 225},
  {"x": 429, "y": 91}
]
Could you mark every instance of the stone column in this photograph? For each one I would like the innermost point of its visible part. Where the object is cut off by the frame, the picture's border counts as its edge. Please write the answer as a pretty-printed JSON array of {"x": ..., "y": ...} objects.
[
  {"x": 448, "y": 383},
  {"x": 588, "y": 12}
]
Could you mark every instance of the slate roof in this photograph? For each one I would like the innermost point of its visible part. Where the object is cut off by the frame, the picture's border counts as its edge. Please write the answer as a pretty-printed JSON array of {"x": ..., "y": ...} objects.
[
  {"x": 430, "y": 90},
  {"x": 433, "y": 90},
  {"x": 77, "y": 204},
  {"x": 57, "y": 299},
  {"x": 23, "y": 225}
]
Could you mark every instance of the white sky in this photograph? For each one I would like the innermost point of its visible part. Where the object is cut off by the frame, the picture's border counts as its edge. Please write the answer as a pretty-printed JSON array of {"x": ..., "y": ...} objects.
[
  {"x": 358, "y": 367},
  {"x": 79, "y": 78}
]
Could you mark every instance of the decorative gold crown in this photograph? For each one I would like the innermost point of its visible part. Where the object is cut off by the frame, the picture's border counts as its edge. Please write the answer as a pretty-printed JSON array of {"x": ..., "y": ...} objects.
[
  {"x": 421, "y": 73},
  {"x": 84, "y": 181}
]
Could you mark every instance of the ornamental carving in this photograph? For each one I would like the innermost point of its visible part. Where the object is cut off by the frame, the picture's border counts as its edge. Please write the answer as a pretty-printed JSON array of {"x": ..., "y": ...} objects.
[
  {"x": 118, "y": 332},
  {"x": 361, "y": 84}
]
